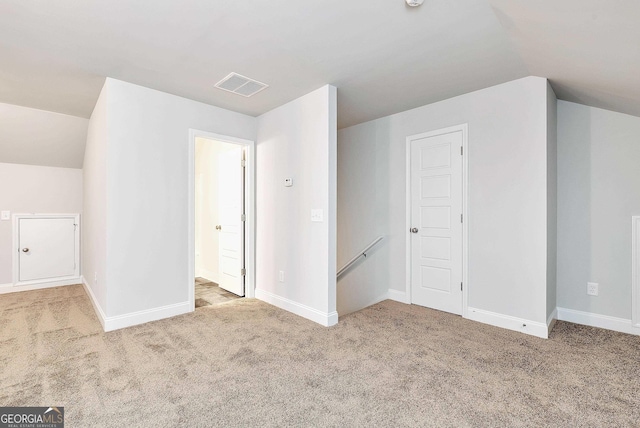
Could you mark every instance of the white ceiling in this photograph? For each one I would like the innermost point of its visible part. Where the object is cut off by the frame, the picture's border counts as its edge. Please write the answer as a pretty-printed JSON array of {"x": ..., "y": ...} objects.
[
  {"x": 37, "y": 137},
  {"x": 589, "y": 49},
  {"x": 383, "y": 56}
]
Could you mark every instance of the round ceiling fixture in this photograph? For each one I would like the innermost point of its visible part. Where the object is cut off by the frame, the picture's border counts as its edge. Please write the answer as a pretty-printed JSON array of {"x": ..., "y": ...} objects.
[{"x": 414, "y": 3}]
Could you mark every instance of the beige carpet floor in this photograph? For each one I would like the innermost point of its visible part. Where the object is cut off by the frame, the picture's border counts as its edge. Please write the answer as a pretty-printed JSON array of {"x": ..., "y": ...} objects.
[{"x": 245, "y": 363}]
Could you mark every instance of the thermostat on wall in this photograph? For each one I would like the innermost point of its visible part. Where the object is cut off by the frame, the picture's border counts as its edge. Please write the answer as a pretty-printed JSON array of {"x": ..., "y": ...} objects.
[
  {"x": 316, "y": 215},
  {"x": 288, "y": 182}
]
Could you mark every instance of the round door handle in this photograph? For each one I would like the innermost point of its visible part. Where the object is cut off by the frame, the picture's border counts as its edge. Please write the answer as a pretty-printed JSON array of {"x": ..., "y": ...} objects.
[
  {"x": 25, "y": 250},
  {"x": 218, "y": 227},
  {"x": 414, "y": 230}
]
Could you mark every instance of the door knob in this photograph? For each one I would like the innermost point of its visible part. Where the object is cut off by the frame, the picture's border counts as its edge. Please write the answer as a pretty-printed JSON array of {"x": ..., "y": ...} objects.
[
  {"x": 218, "y": 227},
  {"x": 414, "y": 230},
  {"x": 25, "y": 250}
]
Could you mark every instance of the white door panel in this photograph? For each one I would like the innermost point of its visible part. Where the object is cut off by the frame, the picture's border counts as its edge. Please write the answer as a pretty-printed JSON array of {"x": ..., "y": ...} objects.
[
  {"x": 230, "y": 211},
  {"x": 436, "y": 208},
  {"x": 47, "y": 248}
]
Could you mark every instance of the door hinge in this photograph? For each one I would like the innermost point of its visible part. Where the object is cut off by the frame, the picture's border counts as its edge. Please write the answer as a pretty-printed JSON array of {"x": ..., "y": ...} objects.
[
  {"x": 243, "y": 271},
  {"x": 243, "y": 163},
  {"x": 460, "y": 286},
  {"x": 461, "y": 150},
  {"x": 460, "y": 218},
  {"x": 243, "y": 217}
]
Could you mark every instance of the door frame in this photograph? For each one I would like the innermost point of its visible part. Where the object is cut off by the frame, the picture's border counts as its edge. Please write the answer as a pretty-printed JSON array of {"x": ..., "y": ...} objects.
[
  {"x": 635, "y": 271},
  {"x": 249, "y": 203},
  {"x": 16, "y": 244},
  {"x": 464, "y": 128}
]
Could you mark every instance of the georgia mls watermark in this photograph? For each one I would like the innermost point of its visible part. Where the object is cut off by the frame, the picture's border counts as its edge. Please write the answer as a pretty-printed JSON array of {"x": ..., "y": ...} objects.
[{"x": 31, "y": 417}]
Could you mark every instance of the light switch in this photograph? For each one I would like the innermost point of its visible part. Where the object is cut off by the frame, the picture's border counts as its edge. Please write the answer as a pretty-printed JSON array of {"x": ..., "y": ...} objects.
[
  {"x": 316, "y": 215},
  {"x": 288, "y": 182},
  {"x": 5, "y": 215}
]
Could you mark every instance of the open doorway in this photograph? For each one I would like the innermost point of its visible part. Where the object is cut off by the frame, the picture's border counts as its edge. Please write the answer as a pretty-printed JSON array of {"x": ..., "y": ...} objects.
[{"x": 221, "y": 231}]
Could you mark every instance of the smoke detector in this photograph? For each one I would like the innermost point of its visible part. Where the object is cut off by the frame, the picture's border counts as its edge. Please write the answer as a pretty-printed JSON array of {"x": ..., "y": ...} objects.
[
  {"x": 241, "y": 85},
  {"x": 414, "y": 3}
]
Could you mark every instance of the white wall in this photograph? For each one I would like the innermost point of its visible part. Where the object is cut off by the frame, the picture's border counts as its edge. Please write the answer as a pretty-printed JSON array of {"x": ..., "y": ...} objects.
[
  {"x": 298, "y": 140},
  {"x": 147, "y": 168},
  {"x": 552, "y": 199},
  {"x": 94, "y": 221},
  {"x": 507, "y": 195},
  {"x": 207, "y": 155},
  {"x": 363, "y": 195},
  {"x": 34, "y": 189},
  {"x": 144, "y": 134},
  {"x": 37, "y": 137},
  {"x": 598, "y": 192},
  {"x": 147, "y": 192}
]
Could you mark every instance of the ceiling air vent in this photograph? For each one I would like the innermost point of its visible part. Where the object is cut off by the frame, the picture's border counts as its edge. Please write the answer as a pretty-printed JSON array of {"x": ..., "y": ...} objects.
[{"x": 241, "y": 85}]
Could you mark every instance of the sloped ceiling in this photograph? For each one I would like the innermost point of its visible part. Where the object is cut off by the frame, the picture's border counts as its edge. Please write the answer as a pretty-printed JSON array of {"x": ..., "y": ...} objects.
[
  {"x": 36, "y": 137},
  {"x": 383, "y": 56},
  {"x": 589, "y": 49}
]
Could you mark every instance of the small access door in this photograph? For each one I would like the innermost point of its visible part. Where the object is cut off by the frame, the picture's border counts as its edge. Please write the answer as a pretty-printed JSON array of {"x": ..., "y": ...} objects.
[
  {"x": 436, "y": 220},
  {"x": 232, "y": 220},
  {"x": 47, "y": 248}
]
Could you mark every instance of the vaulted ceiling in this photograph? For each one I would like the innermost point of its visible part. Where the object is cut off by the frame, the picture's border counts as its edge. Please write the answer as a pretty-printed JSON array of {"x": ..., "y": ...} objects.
[
  {"x": 37, "y": 137},
  {"x": 383, "y": 56}
]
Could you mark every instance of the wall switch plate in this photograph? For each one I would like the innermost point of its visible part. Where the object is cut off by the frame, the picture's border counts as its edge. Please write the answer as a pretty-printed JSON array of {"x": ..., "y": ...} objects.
[
  {"x": 316, "y": 215},
  {"x": 288, "y": 182},
  {"x": 5, "y": 215},
  {"x": 281, "y": 276},
  {"x": 592, "y": 288}
]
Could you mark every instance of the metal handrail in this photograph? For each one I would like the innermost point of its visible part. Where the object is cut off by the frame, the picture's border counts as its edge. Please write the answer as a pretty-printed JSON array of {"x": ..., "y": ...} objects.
[{"x": 360, "y": 254}]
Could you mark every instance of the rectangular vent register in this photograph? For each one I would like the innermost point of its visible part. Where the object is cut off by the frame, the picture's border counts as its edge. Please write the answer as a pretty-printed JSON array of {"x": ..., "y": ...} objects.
[{"x": 241, "y": 85}]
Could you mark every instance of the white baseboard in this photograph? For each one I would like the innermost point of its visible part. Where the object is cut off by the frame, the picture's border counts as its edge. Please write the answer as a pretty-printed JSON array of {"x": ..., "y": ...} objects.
[
  {"x": 210, "y": 275},
  {"x": 538, "y": 329},
  {"x": 551, "y": 321},
  {"x": 601, "y": 321},
  {"x": 322, "y": 318},
  {"x": 147, "y": 315},
  {"x": 127, "y": 320},
  {"x": 10, "y": 288},
  {"x": 399, "y": 296},
  {"x": 381, "y": 298},
  {"x": 94, "y": 302}
]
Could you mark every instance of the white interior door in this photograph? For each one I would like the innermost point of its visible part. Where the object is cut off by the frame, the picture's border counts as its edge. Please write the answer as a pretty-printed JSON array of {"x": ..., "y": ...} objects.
[
  {"x": 47, "y": 248},
  {"x": 436, "y": 221},
  {"x": 230, "y": 214}
]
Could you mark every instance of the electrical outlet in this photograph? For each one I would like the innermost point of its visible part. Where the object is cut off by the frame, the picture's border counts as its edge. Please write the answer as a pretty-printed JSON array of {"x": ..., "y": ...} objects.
[
  {"x": 281, "y": 276},
  {"x": 592, "y": 288}
]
